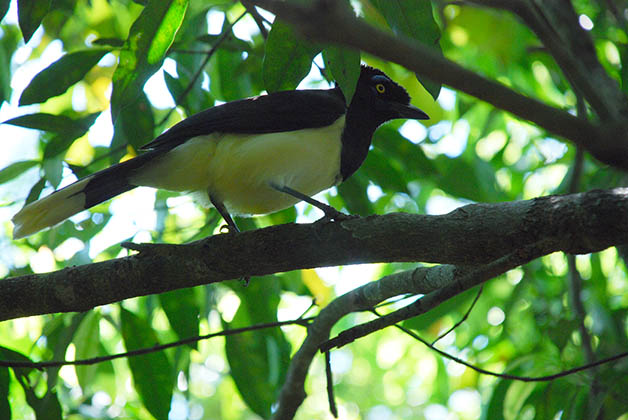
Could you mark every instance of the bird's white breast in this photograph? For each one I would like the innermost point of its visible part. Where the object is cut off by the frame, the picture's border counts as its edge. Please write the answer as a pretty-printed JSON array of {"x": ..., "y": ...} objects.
[{"x": 239, "y": 169}]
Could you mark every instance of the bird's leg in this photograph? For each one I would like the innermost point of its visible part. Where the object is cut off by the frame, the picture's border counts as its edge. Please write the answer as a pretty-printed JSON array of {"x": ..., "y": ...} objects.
[
  {"x": 231, "y": 226},
  {"x": 330, "y": 212}
]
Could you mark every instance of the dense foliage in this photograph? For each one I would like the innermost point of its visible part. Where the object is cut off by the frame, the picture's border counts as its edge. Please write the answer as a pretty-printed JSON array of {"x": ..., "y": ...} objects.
[{"x": 68, "y": 68}]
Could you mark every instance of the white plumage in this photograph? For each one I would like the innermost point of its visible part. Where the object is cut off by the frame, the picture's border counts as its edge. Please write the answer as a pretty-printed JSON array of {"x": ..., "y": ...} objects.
[{"x": 50, "y": 210}]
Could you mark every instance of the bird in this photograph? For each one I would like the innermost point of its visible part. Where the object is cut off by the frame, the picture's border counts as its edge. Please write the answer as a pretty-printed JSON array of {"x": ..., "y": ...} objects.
[{"x": 250, "y": 156}]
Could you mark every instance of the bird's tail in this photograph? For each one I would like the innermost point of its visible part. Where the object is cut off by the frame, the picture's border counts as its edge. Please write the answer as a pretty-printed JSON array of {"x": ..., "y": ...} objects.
[{"x": 76, "y": 197}]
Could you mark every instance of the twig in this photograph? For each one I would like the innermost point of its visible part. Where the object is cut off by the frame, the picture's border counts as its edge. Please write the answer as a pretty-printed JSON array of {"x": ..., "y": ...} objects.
[
  {"x": 199, "y": 52},
  {"x": 431, "y": 300},
  {"x": 420, "y": 280},
  {"x": 199, "y": 71},
  {"x": 575, "y": 280},
  {"x": 330, "y": 386},
  {"x": 259, "y": 20},
  {"x": 156, "y": 348},
  {"x": 312, "y": 305},
  {"x": 546, "y": 378},
  {"x": 464, "y": 318}
]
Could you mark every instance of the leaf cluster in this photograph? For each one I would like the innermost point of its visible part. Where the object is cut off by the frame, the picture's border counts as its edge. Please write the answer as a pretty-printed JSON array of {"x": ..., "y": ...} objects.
[{"x": 525, "y": 323}]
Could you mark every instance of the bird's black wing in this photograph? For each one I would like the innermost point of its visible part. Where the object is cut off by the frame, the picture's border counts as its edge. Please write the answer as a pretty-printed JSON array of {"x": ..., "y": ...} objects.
[{"x": 276, "y": 112}]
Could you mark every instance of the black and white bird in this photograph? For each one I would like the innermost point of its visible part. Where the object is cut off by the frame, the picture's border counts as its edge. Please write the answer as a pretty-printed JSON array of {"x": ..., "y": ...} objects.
[{"x": 251, "y": 156}]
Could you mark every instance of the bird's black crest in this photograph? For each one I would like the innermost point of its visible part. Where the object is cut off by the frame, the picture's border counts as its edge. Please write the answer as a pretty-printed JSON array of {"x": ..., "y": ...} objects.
[{"x": 370, "y": 75}]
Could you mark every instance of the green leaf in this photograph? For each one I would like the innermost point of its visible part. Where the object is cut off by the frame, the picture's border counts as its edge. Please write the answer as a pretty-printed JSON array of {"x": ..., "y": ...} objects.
[
  {"x": 442, "y": 389},
  {"x": 287, "y": 58},
  {"x": 69, "y": 132},
  {"x": 135, "y": 127},
  {"x": 194, "y": 25},
  {"x": 46, "y": 407},
  {"x": 411, "y": 156},
  {"x": 230, "y": 43},
  {"x": 87, "y": 343},
  {"x": 344, "y": 65},
  {"x": 227, "y": 81},
  {"x": 495, "y": 406},
  {"x": 548, "y": 401},
  {"x": 8, "y": 45},
  {"x": 8, "y": 354},
  {"x": 577, "y": 407},
  {"x": 258, "y": 359},
  {"x": 5, "y": 406},
  {"x": 56, "y": 123},
  {"x": 30, "y": 13},
  {"x": 57, "y": 145},
  {"x": 353, "y": 193},
  {"x": 153, "y": 375},
  {"x": 53, "y": 170},
  {"x": 35, "y": 191},
  {"x": 174, "y": 85},
  {"x": 479, "y": 183},
  {"x": 21, "y": 375},
  {"x": 379, "y": 170},
  {"x": 60, "y": 75},
  {"x": 144, "y": 50},
  {"x": 16, "y": 169},
  {"x": 516, "y": 397},
  {"x": 109, "y": 42},
  {"x": 414, "y": 19},
  {"x": 182, "y": 310}
]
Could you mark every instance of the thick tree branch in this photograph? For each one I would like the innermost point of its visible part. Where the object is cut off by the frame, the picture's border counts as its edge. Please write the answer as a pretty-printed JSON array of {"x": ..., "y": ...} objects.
[
  {"x": 556, "y": 24},
  {"x": 471, "y": 235},
  {"x": 462, "y": 279},
  {"x": 325, "y": 21}
]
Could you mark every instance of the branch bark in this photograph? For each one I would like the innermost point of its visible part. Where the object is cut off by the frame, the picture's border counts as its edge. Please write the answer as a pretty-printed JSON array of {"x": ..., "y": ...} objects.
[
  {"x": 419, "y": 281},
  {"x": 437, "y": 283},
  {"x": 556, "y": 25},
  {"x": 471, "y": 235},
  {"x": 325, "y": 21}
]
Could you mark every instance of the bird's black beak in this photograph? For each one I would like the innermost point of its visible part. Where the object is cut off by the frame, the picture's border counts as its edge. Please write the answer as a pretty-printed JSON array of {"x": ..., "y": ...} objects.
[{"x": 408, "y": 111}]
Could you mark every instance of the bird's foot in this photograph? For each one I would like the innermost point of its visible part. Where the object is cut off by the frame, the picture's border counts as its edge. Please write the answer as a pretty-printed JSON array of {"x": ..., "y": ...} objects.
[
  {"x": 331, "y": 214},
  {"x": 144, "y": 248},
  {"x": 228, "y": 229}
]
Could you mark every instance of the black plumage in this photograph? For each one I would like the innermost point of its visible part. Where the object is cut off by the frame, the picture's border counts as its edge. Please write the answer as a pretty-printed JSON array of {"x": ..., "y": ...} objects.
[{"x": 246, "y": 155}]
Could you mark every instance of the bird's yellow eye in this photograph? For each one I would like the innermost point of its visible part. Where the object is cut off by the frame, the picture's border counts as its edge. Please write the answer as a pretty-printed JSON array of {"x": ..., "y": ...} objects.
[{"x": 380, "y": 88}]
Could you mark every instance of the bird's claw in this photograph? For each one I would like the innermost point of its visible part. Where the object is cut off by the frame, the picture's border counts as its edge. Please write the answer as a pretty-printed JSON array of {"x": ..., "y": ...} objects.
[
  {"x": 331, "y": 214},
  {"x": 227, "y": 228}
]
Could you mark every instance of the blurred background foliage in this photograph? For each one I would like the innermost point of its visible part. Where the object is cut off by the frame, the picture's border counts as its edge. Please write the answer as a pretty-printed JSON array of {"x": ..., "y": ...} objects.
[{"x": 85, "y": 61}]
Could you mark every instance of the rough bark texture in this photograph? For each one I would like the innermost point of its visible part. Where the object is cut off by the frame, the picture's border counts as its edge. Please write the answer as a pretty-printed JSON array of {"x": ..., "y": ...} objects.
[{"x": 471, "y": 235}]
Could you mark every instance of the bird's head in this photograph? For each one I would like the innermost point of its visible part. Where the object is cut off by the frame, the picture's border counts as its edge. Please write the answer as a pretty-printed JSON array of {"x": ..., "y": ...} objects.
[{"x": 382, "y": 99}]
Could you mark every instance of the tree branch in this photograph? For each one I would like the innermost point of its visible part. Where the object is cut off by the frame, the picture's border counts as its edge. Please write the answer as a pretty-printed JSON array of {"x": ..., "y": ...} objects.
[
  {"x": 437, "y": 283},
  {"x": 325, "y": 21},
  {"x": 545, "y": 378},
  {"x": 471, "y": 235},
  {"x": 463, "y": 319},
  {"x": 556, "y": 24},
  {"x": 462, "y": 279},
  {"x": 418, "y": 281},
  {"x": 146, "y": 350}
]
